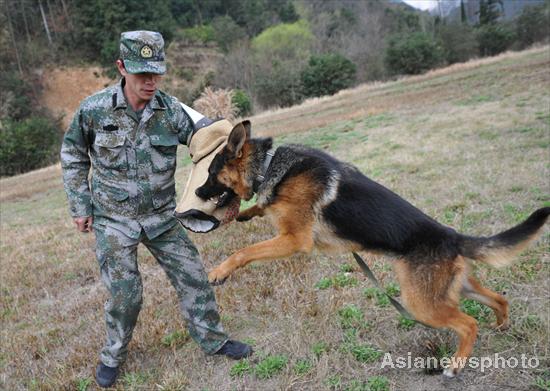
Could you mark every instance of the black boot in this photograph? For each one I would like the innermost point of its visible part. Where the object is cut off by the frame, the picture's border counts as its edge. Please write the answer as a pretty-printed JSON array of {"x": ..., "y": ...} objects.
[
  {"x": 235, "y": 350},
  {"x": 105, "y": 376}
]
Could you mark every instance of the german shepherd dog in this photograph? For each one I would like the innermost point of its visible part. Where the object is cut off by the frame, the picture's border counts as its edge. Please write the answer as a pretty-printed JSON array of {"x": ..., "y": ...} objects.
[{"x": 316, "y": 201}]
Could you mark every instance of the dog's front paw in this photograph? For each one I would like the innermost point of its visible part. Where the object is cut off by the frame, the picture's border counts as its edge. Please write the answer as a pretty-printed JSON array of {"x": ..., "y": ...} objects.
[
  {"x": 218, "y": 275},
  {"x": 244, "y": 217}
]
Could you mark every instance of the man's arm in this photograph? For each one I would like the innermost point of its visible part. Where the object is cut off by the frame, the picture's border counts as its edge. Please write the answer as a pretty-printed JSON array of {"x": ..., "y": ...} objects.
[
  {"x": 185, "y": 125},
  {"x": 75, "y": 163}
]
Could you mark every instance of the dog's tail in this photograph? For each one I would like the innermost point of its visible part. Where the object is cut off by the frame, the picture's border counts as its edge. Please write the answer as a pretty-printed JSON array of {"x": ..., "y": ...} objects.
[{"x": 499, "y": 250}]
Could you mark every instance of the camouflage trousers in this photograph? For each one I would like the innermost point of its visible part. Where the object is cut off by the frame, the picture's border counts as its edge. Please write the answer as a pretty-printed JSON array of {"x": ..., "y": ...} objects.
[{"x": 177, "y": 255}]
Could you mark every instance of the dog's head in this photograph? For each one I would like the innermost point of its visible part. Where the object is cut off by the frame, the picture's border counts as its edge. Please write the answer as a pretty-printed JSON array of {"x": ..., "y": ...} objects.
[
  {"x": 234, "y": 167},
  {"x": 204, "y": 215}
]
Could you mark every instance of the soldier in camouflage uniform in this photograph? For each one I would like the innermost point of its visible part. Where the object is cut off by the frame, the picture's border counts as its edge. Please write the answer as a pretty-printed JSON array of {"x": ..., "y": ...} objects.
[{"x": 128, "y": 133}]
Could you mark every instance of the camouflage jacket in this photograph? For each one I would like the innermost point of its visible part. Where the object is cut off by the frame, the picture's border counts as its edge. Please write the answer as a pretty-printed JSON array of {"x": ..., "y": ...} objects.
[{"x": 133, "y": 162}]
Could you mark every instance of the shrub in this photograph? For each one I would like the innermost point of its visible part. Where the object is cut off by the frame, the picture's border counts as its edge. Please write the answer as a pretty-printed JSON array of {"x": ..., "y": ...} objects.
[
  {"x": 279, "y": 86},
  {"x": 494, "y": 38},
  {"x": 14, "y": 97},
  {"x": 458, "y": 41},
  {"x": 413, "y": 53},
  {"x": 327, "y": 74},
  {"x": 216, "y": 104},
  {"x": 242, "y": 102},
  {"x": 28, "y": 144},
  {"x": 532, "y": 25}
]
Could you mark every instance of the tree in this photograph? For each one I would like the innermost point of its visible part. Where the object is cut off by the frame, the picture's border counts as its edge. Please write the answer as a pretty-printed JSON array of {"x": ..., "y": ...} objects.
[
  {"x": 101, "y": 22},
  {"x": 463, "y": 17},
  {"x": 227, "y": 32},
  {"x": 279, "y": 54},
  {"x": 458, "y": 41},
  {"x": 532, "y": 25},
  {"x": 494, "y": 38},
  {"x": 489, "y": 11}
]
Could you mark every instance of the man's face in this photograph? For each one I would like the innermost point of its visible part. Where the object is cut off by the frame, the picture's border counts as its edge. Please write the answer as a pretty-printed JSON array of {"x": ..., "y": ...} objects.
[{"x": 141, "y": 85}]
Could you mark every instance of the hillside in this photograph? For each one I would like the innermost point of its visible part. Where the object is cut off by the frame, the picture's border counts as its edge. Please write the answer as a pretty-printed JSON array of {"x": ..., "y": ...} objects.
[
  {"x": 64, "y": 88},
  {"x": 467, "y": 144}
]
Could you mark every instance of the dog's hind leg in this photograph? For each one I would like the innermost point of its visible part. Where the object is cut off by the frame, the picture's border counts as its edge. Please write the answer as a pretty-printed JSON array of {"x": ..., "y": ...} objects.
[
  {"x": 279, "y": 247},
  {"x": 431, "y": 292},
  {"x": 472, "y": 289}
]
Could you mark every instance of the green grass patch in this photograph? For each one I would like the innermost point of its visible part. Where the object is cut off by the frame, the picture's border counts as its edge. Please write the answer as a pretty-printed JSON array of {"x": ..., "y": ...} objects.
[
  {"x": 343, "y": 280},
  {"x": 302, "y": 367},
  {"x": 515, "y": 213},
  {"x": 329, "y": 137},
  {"x": 365, "y": 353},
  {"x": 377, "y": 121},
  {"x": 135, "y": 380},
  {"x": 393, "y": 289},
  {"x": 529, "y": 269},
  {"x": 442, "y": 351},
  {"x": 405, "y": 323},
  {"x": 543, "y": 383},
  {"x": 351, "y": 317},
  {"x": 240, "y": 369},
  {"x": 346, "y": 268},
  {"x": 476, "y": 310},
  {"x": 374, "y": 293},
  {"x": 532, "y": 322},
  {"x": 475, "y": 100},
  {"x": 324, "y": 283},
  {"x": 82, "y": 384},
  {"x": 175, "y": 339},
  {"x": 319, "y": 348},
  {"x": 378, "y": 383},
  {"x": 488, "y": 134},
  {"x": 269, "y": 366},
  {"x": 543, "y": 116},
  {"x": 334, "y": 382}
]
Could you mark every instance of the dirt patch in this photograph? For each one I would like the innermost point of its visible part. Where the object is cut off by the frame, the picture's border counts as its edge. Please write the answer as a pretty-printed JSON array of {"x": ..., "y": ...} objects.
[{"x": 64, "y": 89}]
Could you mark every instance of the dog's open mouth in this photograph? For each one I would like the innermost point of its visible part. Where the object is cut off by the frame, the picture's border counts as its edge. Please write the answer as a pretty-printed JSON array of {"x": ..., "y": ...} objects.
[{"x": 198, "y": 221}]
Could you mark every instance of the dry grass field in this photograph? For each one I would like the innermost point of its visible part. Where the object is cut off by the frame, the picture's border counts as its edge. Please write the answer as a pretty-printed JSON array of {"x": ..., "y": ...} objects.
[{"x": 469, "y": 145}]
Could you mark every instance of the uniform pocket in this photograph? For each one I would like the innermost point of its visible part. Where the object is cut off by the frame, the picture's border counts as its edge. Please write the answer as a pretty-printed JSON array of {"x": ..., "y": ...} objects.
[
  {"x": 163, "y": 151},
  {"x": 111, "y": 150},
  {"x": 108, "y": 194},
  {"x": 164, "y": 195}
]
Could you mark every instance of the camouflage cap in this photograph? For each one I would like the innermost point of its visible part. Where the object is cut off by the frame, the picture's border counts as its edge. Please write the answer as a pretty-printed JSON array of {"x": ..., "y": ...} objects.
[{"x": 142, "y": 52}]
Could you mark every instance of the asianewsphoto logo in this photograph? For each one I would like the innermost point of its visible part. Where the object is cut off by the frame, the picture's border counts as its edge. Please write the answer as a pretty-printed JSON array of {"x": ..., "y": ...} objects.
[{"x": 485, "y": 362}]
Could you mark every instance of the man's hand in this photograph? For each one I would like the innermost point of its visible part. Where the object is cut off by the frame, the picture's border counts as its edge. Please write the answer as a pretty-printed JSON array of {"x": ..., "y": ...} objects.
[{"x": 84, "y": 224}]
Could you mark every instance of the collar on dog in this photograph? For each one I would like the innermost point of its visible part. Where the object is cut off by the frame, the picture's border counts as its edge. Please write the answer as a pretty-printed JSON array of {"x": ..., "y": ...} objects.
[{"x": 261, "y": 177}]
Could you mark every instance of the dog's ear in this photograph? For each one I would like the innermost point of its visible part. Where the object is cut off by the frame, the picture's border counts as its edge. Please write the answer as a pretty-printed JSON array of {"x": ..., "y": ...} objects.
[
  {"x": 248, "y": 127},
  {"x": 237, "y": 138}
]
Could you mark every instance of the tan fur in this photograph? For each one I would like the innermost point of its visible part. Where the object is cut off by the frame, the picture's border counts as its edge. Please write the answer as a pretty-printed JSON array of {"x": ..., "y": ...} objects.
[{"x": 505, "y": 256}]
